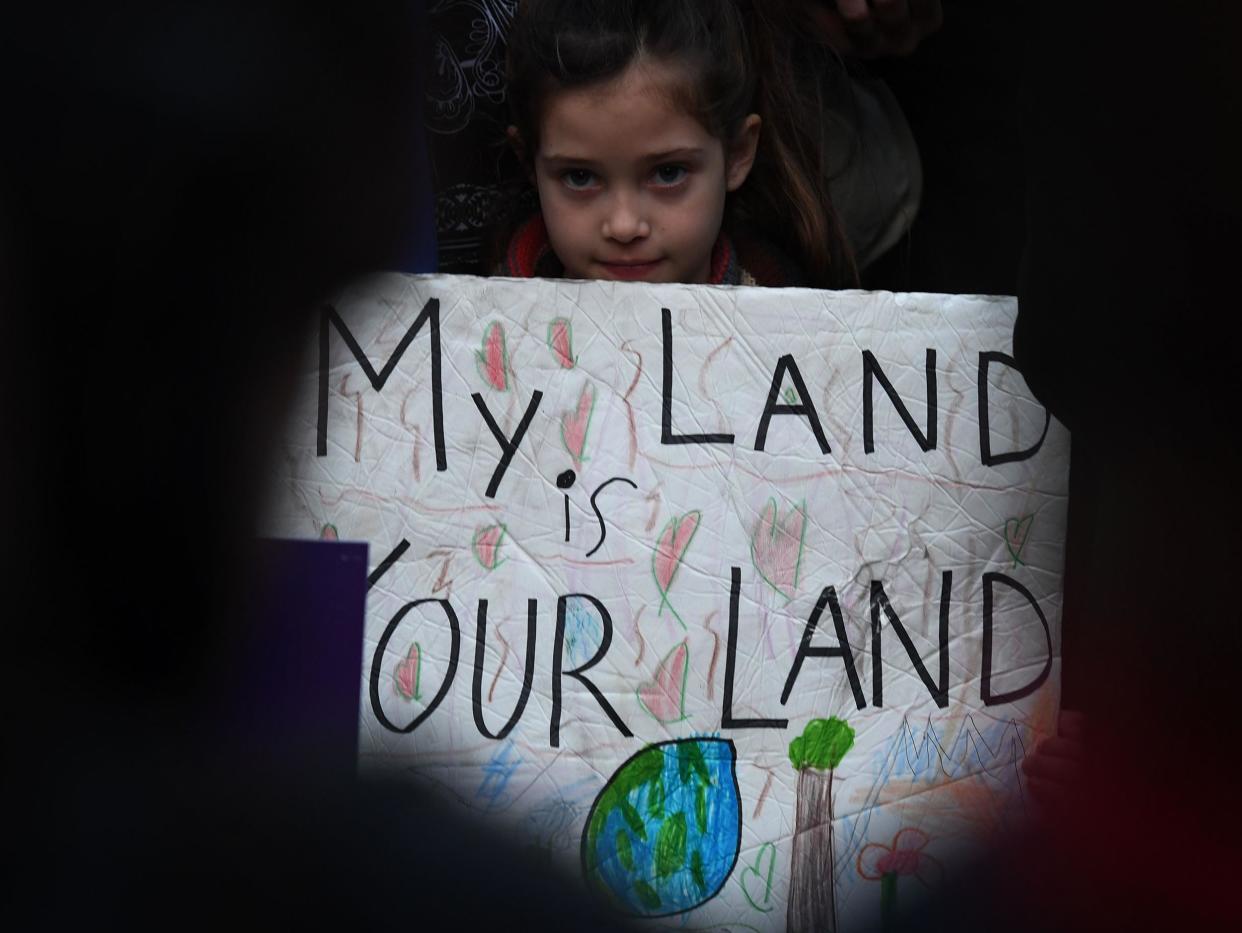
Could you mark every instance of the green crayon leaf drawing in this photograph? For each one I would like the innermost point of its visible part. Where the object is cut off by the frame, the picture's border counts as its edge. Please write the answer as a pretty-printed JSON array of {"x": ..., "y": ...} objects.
[
  {"x": 822, "y": 744},
  {"x": 670, "y": 849},
  {"x": 756, "y": 878},
  {"x": 1017, "y": 530},
  {"x": 625, "y": 852},
  {"x": 670, "y": 551}
]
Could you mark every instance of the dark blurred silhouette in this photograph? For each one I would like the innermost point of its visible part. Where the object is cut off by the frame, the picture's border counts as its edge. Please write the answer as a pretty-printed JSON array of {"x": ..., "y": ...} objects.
[
  {"x": 1128, "y": 290},
  {"x": 1085, "y": 157},
  {"x": 1124, "y": 259},
  {"x": 180, "y": 183}
]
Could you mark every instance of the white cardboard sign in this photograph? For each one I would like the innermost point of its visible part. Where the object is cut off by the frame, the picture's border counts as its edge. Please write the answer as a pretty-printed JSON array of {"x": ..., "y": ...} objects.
[{"x": 742, "y": 603}]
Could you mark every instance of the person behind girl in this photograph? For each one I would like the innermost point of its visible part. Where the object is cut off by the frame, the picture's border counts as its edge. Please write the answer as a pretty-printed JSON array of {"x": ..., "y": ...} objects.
[{"x": 669, "y": 141}]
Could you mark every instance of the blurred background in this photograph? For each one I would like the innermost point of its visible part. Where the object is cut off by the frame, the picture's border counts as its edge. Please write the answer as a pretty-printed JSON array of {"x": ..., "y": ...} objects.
[{"x": 181, "y": 183}]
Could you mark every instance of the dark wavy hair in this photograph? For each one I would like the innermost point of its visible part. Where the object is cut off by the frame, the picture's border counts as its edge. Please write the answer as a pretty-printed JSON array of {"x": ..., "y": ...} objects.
[{"x": 743, "y": 57}]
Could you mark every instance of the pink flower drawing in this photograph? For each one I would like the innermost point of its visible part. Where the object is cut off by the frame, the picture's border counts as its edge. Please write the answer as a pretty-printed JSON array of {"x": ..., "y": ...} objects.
[
  {"x": 885, "y": 864},
  {"x": 904, "y": 857}
]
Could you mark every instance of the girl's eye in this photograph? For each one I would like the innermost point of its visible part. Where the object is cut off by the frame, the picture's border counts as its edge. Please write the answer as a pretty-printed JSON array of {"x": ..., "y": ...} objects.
[
  {"x": 578, "y": 179},
  {"x": 669, "y": 175}
]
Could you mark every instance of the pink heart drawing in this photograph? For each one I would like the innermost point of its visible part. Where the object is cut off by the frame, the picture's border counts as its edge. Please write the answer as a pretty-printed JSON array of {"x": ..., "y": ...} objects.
[
  {"x": 493, "y": 359},
  {"x": 665, "y": 696},
  {"x": 576, "y": 423},
  {"x": 776, "y": 546},
  {"x": 406, "y": 674},
  {"x": 1016, "y": 532},
  {"x": 670, "y": 549},
  {"x": 561, "y": 342},
  {"x": 486, "y": 545}
]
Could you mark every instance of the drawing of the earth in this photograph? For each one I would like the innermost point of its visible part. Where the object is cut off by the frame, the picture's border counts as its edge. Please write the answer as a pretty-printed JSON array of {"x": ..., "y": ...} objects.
[{"x": 663, "y": 835}]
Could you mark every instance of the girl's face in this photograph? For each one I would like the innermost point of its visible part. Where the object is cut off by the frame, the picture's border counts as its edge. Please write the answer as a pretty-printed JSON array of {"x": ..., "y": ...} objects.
[{"x": 632, "y": 187}]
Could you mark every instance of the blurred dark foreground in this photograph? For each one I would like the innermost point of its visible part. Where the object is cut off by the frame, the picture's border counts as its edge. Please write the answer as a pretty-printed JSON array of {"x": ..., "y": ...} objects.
[{"x": 181, "y": 182}]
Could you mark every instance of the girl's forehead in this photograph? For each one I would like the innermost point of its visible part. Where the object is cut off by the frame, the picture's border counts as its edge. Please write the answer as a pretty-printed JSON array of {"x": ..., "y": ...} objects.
[
  {"x": 649, "y": 76},
  {"x": 647, "y": 100}
]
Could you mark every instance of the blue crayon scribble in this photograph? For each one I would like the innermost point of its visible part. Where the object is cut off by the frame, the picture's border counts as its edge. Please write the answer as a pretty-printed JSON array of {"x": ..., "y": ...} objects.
[
  {"x": 994, "y": 754},
  {"x": 552, "y": 825},
  {"x": 497, "y": 774},
  {"x": 583, "y": 631}
]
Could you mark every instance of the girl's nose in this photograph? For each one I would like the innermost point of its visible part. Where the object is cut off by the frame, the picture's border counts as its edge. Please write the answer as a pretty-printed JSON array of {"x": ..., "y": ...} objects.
[{"x": 625, "y": 220}]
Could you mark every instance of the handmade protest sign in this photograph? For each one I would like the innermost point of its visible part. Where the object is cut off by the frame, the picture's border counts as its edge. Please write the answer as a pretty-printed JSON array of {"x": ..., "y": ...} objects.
[{"x": 745, "y": 603}]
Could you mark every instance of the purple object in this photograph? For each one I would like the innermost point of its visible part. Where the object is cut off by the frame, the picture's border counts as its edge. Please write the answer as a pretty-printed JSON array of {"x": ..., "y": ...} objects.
[{"x": 301, "y": 662}]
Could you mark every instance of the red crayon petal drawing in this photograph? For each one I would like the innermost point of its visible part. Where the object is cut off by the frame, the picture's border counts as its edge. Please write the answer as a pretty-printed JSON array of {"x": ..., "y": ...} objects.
[
  {"x": 904, "y": 856},
  {"x": 576, "y": 423},
  {"x": 665, "y": 696},
  {"x": 329, "y": 533},
  {"x": 486, "y": 545},
  {"x": 493, "y": 359},
  {"x": 776, "y": 546},
  {"x": 561, "y": 342},
  {"x": 670, "y": 550},
  {"x": 406, "y": 674}
]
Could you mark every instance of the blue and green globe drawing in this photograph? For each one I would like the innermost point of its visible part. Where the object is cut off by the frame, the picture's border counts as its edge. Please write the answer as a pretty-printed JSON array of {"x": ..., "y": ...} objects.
[{"x": 663, "y": 835}]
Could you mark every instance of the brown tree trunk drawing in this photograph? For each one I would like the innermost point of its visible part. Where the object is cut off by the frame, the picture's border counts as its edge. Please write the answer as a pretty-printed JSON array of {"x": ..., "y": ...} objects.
[
  {"x": 812, "y": 887},
  {"x": 815, "y": 754}
]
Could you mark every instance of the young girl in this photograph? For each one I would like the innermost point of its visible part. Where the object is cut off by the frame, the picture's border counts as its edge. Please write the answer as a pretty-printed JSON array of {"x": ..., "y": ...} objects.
[{"x": 669, "y": 141}]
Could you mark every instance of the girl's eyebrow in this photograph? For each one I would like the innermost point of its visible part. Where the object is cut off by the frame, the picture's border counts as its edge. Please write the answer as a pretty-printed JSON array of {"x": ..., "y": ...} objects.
[
  {"x": 558, "y": 157},
  {"x": 686, "y": 152}
]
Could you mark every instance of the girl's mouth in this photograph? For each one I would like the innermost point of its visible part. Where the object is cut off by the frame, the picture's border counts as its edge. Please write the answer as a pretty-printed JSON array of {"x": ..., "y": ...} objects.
[{"x": 630, "y": 270}]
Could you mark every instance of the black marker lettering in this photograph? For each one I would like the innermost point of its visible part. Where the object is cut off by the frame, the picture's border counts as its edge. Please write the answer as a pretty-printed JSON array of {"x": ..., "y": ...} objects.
[
  {"x": 666, "y": 415},
  {"x": 507, "y": 447},
  {"x": 603, "y": 529},
  {"x": 726, "y": 716},
  {"x": 378, "y": 658},
  {"x": 985, "y": 681},
  {"x": 578, "y": 673},
  {"x": 431, "y": 314},
  {"x": 879, "y": 603},
  {"x": 528, "y": 673},
  {"x": 564, "y": 480},
  {"x": 871, "y": 372},
  {"x": 805, "y": 407},
  {"x": 828, "y": 597},
  {"x": 402, "y": 546},
  {"x": 985, "y": 431}
]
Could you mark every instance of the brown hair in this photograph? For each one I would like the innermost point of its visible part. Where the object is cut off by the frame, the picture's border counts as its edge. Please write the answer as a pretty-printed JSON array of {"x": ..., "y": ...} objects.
[{"x": 743, "y": 57}]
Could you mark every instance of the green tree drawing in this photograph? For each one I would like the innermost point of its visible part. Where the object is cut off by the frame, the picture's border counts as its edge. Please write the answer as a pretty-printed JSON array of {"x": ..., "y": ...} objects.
[{"x": 815, "y": 755}]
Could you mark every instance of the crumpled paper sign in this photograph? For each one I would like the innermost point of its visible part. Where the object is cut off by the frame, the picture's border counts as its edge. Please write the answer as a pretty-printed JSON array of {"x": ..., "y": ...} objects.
[{"x": 744, "y": 604}]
